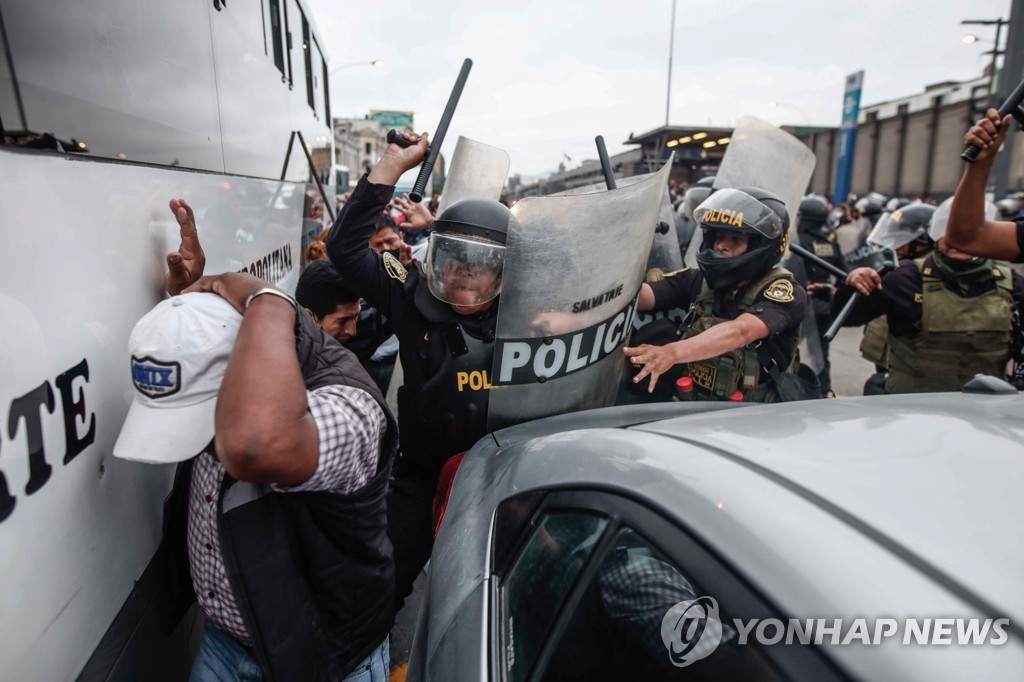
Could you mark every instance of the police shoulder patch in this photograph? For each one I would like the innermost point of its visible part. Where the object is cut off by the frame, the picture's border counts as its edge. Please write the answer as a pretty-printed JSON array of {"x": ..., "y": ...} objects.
[
  {"x": 394, "y": 268},
  {"x": 657, "y": 274},
  {"x": 781, "y": 290}
]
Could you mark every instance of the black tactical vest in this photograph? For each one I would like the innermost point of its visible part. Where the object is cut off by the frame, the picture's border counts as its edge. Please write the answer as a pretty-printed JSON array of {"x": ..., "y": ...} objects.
[
  {"x": 960, "y": 336},
  {"x": 740, "y": 369},
  {"x": 312, "y": 572},
  {"x": 446, "y": 413}
]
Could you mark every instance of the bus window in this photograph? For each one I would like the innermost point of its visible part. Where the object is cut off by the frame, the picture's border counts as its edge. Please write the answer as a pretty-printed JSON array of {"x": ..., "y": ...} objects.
[
  {"x": 327, "y": 95},
  {"x": 307, "y": 54},
  {"x": 275, "y": 33}
]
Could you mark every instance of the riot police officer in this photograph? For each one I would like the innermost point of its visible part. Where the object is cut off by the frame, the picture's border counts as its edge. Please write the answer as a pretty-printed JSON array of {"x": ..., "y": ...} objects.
[
  {"x": 853, "y": 237},
  {"x": 950, "y": 315},
  {"x": 743, "y": 324},
  {"x": 444, "y": 313},
  {"x": 816, "y": 236},
  {"x": 902, "y": 235}
]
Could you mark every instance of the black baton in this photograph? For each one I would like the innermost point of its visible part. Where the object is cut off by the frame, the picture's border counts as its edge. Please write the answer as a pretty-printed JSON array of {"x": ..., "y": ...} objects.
[
  {"x": 1010, "y": 106},
  {"x": 606, "y": 165},
  {"x": 394, "y": 137},
  {"x": 807, "y": 255},
  {"x": 848, "y": 308}
]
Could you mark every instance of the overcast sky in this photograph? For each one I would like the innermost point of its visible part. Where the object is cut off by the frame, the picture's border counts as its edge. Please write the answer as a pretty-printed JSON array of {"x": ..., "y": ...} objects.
[{"x": 549, "y": 76}]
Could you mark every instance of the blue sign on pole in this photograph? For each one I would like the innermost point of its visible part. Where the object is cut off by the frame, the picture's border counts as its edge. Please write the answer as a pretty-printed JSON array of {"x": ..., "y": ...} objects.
[{"x": 848, "y": 136}]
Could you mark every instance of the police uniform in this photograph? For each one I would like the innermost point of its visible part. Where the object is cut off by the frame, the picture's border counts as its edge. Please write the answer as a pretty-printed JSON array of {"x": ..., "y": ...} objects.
[
  {"x": 945, "y": 324},
  {"x": 773, "y": 298},
  {"x": 446, "y": 359},
  {"x": 826, "y": 248}
]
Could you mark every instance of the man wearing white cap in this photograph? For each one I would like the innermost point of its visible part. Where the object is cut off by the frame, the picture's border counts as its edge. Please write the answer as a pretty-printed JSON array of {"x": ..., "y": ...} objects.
[{"x": 277, "y": 521}]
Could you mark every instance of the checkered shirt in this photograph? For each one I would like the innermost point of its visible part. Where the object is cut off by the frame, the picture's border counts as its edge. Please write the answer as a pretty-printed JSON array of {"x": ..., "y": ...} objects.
[
  {"x": 636, "y": 593},
  {"x": 350, "y": 424}
]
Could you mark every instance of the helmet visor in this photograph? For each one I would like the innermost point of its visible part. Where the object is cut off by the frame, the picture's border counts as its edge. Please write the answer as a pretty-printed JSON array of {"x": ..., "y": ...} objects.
[
  {"x": 732, "y": 209},
  {"x": 891, "y": 232},
  {"x": 937, "y": 227},
  {"x": 462, "y": 270}
]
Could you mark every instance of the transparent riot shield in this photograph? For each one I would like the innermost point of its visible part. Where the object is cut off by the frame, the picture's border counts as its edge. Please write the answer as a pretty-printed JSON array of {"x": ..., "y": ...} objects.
[
  {"x": 573, "y": 269},
  {"x": 810, "y": 336},
  {"x": 665, "y": 257},
  {"x": 763, "y": 155},
  {"x": 476, "y": 171}
]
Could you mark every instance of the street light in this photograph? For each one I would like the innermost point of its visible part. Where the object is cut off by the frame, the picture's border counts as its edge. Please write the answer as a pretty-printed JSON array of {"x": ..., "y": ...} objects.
[
  {"x": 995, "y": 51},
  {"x": 373, "y": 62}
]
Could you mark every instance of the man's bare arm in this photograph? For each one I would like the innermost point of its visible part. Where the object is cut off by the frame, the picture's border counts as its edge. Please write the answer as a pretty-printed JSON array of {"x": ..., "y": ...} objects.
[
  {"x": 968, "y": 230},
  {"x": 264, "y": 430}
]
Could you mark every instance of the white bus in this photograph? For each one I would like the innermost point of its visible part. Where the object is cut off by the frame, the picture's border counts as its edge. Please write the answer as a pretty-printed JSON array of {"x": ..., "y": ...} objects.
[{"x": 153, "y": 100}]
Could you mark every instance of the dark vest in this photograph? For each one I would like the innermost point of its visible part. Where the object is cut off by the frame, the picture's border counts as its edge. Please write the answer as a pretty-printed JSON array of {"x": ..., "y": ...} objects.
[
  {"x": 443, "y": 403},
  {"x": 960, "y": 336},
  {"x": 740, "y": 369},
  {"x": 312, "y": 572}
]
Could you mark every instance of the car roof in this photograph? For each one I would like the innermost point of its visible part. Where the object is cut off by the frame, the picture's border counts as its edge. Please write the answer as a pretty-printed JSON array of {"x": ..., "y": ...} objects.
[
  {"x": 894, "y": 506},
  {"x": 933, "y": 478}
]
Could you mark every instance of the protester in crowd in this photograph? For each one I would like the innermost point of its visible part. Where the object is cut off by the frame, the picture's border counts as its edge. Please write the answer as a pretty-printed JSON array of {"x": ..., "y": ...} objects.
[
  {"x": 418, "y": 219},
  {"x": 277, "y": 520},
  {"x": 315, "y": 251}
]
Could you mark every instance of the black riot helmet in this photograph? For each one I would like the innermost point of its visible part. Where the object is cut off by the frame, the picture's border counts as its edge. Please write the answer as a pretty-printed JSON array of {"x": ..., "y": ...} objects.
[
  {"x": 756, "y": 213},
  {"x": 907, "y": 225},
  {"x": 812, "y": 217},
  {"x": 694, "y": 196},
  {"x": 870, "y": 208},
  {"x": 466, "y": 252}
]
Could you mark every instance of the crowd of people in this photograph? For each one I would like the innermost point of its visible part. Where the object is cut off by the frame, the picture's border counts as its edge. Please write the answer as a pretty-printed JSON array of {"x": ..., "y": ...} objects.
[{"x": 303, "y": 509}]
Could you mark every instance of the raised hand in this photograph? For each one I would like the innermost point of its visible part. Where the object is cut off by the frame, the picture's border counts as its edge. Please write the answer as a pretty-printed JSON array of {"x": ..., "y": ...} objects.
[
  {"x": 988, "y": 134},
  {"x": 398, "y": 159},
  {"x": 185, "y": 265},
  {"x": 417, "y": 216}
]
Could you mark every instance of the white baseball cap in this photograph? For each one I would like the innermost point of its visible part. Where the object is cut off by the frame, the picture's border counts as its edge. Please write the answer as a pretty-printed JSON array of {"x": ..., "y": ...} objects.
[{"x": 179, "y": 351}]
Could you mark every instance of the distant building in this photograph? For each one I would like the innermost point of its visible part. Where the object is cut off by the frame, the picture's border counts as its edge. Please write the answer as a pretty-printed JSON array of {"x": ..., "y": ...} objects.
[
  {"x": 909, "y": 146},
  {"x": 905, "y": 147},
  {"x": 359, "y": 144}
]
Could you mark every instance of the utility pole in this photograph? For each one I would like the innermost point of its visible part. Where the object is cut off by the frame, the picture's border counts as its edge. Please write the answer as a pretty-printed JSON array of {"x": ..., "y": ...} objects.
[
  {"x": 995, "y": 51},
  {"x": 671, "y": 46},
  {"x": 1012, "y": 74}
]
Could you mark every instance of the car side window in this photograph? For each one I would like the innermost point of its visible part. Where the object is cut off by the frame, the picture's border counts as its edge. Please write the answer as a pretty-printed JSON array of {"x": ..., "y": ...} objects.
[
  {"x": 539, "y": 580},
  {"x": 631, "y": 624}
]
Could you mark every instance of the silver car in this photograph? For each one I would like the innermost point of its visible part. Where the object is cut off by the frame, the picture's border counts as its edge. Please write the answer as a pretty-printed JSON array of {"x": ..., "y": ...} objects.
[{"x": 878, "y": 536}]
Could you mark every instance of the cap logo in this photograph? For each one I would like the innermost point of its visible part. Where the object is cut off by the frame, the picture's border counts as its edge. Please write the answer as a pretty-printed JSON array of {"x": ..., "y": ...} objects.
[
  {"x": 723, "y": 216},
  {"x": 156, "y": 379}
]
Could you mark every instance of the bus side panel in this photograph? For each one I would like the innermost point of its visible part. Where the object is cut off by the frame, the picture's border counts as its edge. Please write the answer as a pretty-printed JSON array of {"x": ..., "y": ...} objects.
[{"x": 82, "y": 256}]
